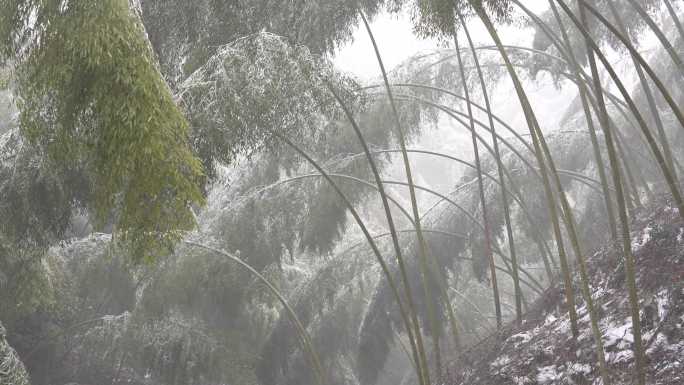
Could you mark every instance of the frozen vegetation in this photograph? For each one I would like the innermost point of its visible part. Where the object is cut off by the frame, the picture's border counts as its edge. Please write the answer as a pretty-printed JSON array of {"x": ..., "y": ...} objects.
[{"x": 193, "y": 192}]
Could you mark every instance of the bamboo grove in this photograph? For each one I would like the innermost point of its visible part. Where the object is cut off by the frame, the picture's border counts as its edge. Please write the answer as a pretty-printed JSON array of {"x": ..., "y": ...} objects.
[{"x": 321, "y": 144}]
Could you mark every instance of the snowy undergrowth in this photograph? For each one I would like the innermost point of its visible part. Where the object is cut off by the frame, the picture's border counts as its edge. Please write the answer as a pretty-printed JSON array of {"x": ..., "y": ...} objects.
[{"x": 542, "y": 350}]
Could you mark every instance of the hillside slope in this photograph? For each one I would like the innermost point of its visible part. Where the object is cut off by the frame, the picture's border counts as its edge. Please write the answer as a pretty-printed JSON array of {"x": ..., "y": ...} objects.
[{"x": 542, "y": 350}]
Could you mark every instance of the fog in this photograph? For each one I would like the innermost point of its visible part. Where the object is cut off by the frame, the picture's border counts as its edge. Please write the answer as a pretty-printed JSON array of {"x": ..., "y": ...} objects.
[{"x": 232, "y": 193}]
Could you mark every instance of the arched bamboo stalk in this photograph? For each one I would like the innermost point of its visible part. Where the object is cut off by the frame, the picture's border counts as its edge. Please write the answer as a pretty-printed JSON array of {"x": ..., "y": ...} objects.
[
  {"x": 658, "y": 33},
  {"x": 416, "y": 215},
  {"x": 590, "y": 125},
  {"x": 506, "y": 270},
  {"x": 483, "y": 201},
  {"x": 453, "y": 203},
  {"x": 395, "y": 239},
  {"x": 303, "y": 334},
  {"x": 364, "y": 229},
  {"x": 674, "y": 189},
  {"x": 675, "y": 18},
  {"x": 646, "y": 88},
  {"x": 556, "y": 41},
  {"x": 540, "y": 145},
  {"x": 622, "y": 210}
]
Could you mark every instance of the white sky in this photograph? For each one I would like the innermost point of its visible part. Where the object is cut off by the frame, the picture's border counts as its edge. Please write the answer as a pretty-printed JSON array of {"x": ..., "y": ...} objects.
[{"x": 397, "y": 42}]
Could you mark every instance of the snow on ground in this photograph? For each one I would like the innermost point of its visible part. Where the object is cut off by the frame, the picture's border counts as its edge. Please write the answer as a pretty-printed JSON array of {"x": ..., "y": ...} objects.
[{"x": 542, "y": 350}]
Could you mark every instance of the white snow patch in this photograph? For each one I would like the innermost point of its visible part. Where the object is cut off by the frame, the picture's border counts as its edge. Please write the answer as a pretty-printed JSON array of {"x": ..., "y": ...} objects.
[
  {"x": 501, "y": 362},
  {"x": 563, "y": 326},
  {"x": 547, "y": 375},
  {"x": 637, "y": 244},
  {"x": 662, "y": 300},
  {"x": 620, "y": 357},
  {"x": 580, "y": 369},
  {"x": 600, "y": 292},
  {"x": 585, "y": 334},
  {"x": 520, "y": 338},
  {"x": 518, "y": 380},
  {"x": 676, "y": 348},
  {"x": 660, "y": 341},
  {"x": 620, "y": 336},
  {"x": 549, "y": 320}
]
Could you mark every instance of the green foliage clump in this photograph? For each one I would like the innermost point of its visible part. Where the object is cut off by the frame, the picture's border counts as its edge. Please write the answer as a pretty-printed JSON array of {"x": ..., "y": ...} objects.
[
  {"x": 34, "y": 213},
  {"x": 90, "y": 94},
  {"x": 439, "y": 17},
  {"x": 169, "y": 324},
  {"x": 331, "y": 305},
  {"x": 253, "y": 87},
  {"x": 90, "y": 277},
  {"x": 185, "y": 34}
]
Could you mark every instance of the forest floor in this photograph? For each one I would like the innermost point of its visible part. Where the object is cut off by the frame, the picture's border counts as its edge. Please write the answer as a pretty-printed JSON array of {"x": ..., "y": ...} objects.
[{"x": 542, "y": 351}]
